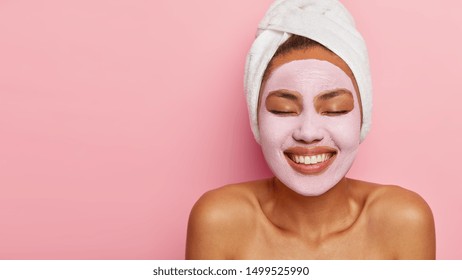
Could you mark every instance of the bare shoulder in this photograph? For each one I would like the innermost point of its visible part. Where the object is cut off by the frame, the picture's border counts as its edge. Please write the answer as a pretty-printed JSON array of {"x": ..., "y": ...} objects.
[
  {"x": 221, "y": 219},
  {"x": 402, "y": 219}
]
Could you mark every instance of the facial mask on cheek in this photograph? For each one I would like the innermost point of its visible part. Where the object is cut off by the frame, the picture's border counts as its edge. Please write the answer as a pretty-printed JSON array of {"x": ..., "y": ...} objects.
[{"x": 309, "y": 152}]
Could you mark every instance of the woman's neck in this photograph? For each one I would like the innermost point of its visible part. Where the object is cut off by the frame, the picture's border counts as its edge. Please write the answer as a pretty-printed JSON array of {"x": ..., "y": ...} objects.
[{"x": 313, "y": 217}]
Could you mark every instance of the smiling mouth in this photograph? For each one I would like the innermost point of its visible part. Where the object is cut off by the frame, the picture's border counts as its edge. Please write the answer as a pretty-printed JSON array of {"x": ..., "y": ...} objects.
[{"x": 311, "y": 161}]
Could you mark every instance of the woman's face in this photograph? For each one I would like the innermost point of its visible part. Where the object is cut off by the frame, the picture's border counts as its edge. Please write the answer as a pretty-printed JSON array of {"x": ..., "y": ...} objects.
[{"x": 309, "y": 120}]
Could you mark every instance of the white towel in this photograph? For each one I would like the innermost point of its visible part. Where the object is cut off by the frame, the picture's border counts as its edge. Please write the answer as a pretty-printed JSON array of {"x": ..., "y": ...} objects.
[{"x": 325, "y": 21}]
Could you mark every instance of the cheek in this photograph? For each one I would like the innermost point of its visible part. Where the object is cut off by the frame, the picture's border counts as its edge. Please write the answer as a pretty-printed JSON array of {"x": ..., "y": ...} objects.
[
  {"x": 275, "y": 130},
  {"x": 345, "y": 130}
]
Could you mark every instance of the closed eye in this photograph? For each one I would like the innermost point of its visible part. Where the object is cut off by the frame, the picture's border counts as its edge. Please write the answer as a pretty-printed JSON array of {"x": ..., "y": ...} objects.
[
  {"x": 335, "y": 113},
  {"x": 276, "y": 112},
  {"x": 333, "y": 103},
  {"x": 284, "y": 103}
]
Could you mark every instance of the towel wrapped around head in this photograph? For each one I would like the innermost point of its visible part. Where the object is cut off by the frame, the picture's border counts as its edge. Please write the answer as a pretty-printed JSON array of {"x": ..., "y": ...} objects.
[{"x": 324, "y": 21}]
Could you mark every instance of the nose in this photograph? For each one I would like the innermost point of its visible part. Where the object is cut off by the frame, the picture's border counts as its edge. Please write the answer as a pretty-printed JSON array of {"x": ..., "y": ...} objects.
[{"x": 309, "y": 130}]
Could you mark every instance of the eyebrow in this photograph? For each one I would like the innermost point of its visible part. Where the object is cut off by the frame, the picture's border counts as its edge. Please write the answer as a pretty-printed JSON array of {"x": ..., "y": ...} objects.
[
  {"x": 284, "y": 94},
  {"x": 334, "y": 93}
]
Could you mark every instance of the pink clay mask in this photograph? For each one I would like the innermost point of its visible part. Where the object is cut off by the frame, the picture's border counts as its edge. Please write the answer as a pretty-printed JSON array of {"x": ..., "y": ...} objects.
[{"x": 309, "y": 149}]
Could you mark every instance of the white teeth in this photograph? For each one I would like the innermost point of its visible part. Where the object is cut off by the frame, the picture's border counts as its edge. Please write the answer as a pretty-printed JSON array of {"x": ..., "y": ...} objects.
[
  {"x": 311, "y": 159},
  {"x": 298, "y": 159},
  {"x": 307, "y": 160}
]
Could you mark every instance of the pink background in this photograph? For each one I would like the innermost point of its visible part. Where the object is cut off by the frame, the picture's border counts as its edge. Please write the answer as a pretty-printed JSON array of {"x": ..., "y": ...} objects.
[{"x": 115, "y": 116}]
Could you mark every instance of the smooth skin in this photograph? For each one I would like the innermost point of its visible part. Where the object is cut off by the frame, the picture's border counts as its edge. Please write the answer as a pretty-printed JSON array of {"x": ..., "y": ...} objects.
[{"x": 353, "y": 220}]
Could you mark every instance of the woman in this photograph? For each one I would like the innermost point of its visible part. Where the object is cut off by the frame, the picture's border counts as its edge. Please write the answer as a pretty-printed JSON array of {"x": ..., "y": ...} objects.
[{"x": 309, "y": 97}]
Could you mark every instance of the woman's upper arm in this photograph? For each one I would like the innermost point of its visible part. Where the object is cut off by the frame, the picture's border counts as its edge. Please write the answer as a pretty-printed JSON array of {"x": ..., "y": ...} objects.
[
  {"x": 203, "y": 238},
  {"x": 410, "y": 226},
  {"x": 219, "y": 224},
  {"x": 417, "y": 238}
]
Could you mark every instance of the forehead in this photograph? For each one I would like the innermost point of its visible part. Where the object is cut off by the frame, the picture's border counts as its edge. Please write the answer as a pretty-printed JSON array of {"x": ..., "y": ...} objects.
[
  {"x": 308, "y": 76},
  {"x": 318, "y": 53}
]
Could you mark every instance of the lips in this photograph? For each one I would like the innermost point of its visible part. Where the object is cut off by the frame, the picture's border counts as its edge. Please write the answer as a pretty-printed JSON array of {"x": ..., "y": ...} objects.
[{"x": 310, "y": 161}]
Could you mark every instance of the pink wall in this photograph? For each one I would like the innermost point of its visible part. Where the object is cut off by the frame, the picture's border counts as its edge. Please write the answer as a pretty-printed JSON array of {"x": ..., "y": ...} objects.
[{"x": 115, "y": 116}]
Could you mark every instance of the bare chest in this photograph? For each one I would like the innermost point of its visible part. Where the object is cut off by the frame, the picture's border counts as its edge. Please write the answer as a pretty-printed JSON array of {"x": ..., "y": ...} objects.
[{"x": 357, "y": 242}]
